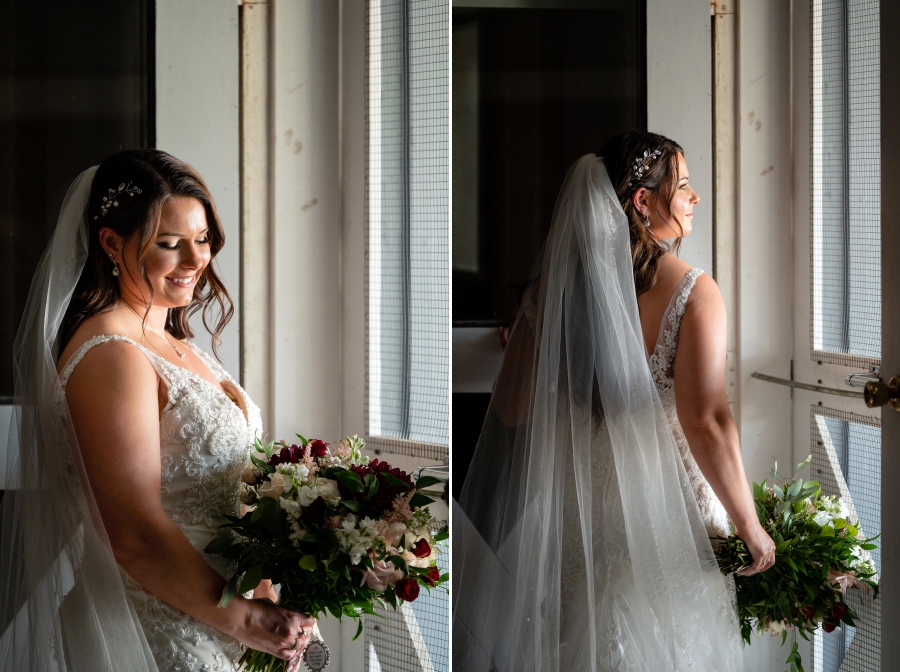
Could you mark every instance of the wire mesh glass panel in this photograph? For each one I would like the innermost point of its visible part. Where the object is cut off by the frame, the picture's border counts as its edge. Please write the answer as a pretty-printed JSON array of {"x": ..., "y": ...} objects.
[
  {"x": 846, "y": 450},
  {"x": 415, "y": 638},
  {"x": 408, "y": 219},
  {"x": 846, "y": 182}
]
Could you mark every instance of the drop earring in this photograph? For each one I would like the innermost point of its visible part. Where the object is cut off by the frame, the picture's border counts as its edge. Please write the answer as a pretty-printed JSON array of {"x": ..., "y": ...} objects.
[{"x": 115, "y": 270}]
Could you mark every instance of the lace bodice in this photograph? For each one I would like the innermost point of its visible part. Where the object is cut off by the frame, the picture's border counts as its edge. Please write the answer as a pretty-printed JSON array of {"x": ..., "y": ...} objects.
[{"x": 204, "y": 446}]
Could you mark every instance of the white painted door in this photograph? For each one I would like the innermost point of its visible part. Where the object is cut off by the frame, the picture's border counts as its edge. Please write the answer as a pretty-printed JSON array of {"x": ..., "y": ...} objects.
[{"x": 843, "y": 299}]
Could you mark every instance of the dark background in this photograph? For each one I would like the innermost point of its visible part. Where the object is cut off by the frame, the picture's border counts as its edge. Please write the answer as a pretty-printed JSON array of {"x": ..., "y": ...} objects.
[
  {"x": 76, "y": 85},
  {"x": 554, "y": 84}
]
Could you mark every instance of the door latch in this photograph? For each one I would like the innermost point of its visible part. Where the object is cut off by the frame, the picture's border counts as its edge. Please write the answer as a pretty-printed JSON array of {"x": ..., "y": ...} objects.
[{"x": 860, "y": 379}]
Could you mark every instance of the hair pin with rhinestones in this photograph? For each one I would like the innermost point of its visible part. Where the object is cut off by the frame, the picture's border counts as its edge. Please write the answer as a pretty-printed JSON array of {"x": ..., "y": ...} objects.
[
  {"x": 111, "y": 200},
  {"x": 642, "y": 165}
]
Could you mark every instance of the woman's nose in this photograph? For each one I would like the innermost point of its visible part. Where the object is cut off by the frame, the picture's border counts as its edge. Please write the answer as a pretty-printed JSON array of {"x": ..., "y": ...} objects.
[{"x": 194, "y": 256}]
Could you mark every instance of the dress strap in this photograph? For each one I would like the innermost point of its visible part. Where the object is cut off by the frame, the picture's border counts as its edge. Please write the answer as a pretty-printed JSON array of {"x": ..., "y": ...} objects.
[
  {"x": 663, "y": 358},
  {"x": 155, "y": 360},
  {"x": 677, "y": 304}
]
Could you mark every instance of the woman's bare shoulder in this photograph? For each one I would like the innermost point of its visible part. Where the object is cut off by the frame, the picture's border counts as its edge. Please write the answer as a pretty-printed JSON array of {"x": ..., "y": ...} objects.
[{"x": 104, "y": 324}]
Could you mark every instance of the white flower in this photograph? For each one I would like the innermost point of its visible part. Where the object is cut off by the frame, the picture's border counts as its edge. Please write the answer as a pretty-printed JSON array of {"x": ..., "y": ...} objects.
[
  {"x": 822, "y": 518},
  {"x": 251, "y": 475},
  {"x": 321, "y": 487},
  {"x": 299, "y": 472},
  {"x": 277, "y": 485},
  {"x": 776, "y": 627}
]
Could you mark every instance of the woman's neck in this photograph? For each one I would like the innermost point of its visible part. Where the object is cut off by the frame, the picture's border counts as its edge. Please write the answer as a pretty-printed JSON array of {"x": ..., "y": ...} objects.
[{"x": 155, "y": 318}]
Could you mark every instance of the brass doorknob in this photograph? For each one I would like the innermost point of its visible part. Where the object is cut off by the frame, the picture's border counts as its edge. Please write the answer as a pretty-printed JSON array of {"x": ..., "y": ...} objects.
[{"x": 879, "y": 393}]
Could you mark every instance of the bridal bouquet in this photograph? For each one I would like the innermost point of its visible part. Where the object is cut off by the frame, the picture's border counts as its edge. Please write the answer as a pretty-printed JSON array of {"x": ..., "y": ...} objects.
[
  {"x": 819, "y": 553},
  {"x": 340, "y": 533}
]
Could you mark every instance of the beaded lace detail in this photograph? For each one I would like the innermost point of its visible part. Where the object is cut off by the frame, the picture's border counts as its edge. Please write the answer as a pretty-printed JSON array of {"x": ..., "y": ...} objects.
[
  {"x": 204, "y": 446},
  {"x": 662, "y": 368}
]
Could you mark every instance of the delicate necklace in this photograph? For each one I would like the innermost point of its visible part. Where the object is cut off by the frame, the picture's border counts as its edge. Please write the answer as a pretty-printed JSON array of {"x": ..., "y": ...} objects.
[{"x": 165, "y": 338}]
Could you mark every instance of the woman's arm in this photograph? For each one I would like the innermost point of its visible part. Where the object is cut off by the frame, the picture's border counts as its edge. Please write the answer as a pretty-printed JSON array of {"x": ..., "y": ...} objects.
[
  {"x": 706, "y": 419},
  {"x": 112, "y": 398}
]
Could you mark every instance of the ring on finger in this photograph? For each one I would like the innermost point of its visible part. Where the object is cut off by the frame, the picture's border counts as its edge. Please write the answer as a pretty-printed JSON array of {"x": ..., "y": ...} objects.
[{"x": 296, "y": 644}]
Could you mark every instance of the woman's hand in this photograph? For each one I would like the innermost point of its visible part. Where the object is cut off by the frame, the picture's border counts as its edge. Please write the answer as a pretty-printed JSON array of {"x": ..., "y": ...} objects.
[
  {"x": 272, "y": 629},
  {"x": 761, "y": 547}
]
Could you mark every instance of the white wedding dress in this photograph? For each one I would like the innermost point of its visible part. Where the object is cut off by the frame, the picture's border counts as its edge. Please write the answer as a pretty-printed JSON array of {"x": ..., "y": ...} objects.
[
  {"x": 204, "y": 446},
  {"x": 610, "y": 558}
]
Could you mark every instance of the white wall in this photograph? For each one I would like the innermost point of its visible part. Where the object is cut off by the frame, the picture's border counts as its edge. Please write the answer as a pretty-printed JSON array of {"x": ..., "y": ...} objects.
[
  {"x": 679, "y": 104},
  {"x": 197, "y": 120},
  {"x": 306, "y": 219}
]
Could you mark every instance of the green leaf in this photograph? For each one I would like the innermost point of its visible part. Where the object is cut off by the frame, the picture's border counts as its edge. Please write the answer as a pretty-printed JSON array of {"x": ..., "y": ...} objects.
[
  {"x": 372, "y": 485},
  {"x": 394, "y": 481},
  {"x": 308, "y": 562},
  {"x": 228, "y": 592},
  {"x": 419, "y": 499},
  {"x": 399, "y": 563},
  {"x": 778, "y": 491},
  {"x": 444, "y": 533},
  {"x": 839, "y": 523},
  {"x": 795, "y": 488},
  {"x": 355, "y": 507},
  {"x": 425, "y": 481},
  {"x": 350, "y": 479},
  {"x": 359, "y": 629},
  {"x": 218, "y": 545},
  {"x": 251, "y": 579},
  {"x": 827, "y": 531},
  {"x": 302, "y": 439},
  {"x": 804, "y": 464},
  {"x": 264, "y": 467}
]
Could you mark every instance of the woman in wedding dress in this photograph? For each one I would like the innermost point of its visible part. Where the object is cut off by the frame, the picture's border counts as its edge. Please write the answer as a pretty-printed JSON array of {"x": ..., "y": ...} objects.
[
  {"x": 131, "y": 441},
  {"x": 609, "y": 455}
]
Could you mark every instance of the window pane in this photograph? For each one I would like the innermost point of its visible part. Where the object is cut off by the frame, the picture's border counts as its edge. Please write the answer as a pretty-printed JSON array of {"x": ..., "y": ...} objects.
[
  {"x": 75, "y": 86},
  {"x": 846, "y": 143},
  {"x": 846, "y": 450},
  {"x": 408, "y": 214}
]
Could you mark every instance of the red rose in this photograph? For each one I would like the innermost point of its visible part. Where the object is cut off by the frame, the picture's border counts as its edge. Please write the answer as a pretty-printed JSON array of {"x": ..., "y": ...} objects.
[
  {"x": 407, "y": 589},
  {"x": 807, "y": 611},
  {"x": 432, "y": 577},
  {"x": 421, "y": 549},
  {"x": 318, "y": 448},
  {"x": 828, "y": 627},
  {"x": 839, "y": 610}
]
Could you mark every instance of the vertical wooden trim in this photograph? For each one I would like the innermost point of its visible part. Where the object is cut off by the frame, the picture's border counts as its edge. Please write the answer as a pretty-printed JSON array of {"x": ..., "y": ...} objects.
[
  {"x": 725, "y": 234},
  {"x": 256, "y": 225}
]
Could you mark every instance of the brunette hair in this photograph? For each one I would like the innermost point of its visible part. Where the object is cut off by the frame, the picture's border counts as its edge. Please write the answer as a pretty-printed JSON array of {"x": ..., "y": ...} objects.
[
  {"x": 160, "y": 177},
  {"x": 621, "y": 154}
]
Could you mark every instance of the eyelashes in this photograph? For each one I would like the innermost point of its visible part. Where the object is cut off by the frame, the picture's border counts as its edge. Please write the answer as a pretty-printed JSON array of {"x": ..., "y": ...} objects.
[{"x": 171, "y": 248}]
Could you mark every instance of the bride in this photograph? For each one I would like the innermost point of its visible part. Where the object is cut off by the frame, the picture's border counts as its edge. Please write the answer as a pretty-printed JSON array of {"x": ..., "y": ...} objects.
[
  {"x": 609, "y": 455},
  {"x": 131, "y": 441}
]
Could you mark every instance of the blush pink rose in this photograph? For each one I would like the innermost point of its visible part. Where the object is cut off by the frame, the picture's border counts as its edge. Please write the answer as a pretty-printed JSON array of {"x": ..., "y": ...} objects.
[{"x": 377, "y": 578}]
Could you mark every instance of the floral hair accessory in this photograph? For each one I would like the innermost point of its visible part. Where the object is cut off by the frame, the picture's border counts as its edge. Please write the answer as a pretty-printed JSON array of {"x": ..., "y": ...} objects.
[
  {"x": 110, "y": 200},
  {"x": 642, "y": 165}
]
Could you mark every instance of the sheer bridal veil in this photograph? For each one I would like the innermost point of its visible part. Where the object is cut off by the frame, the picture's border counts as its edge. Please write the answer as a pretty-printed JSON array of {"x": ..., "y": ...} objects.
[
  {"x": 63, "y": 605},
  {"x": 577, "y": 540}
]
